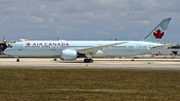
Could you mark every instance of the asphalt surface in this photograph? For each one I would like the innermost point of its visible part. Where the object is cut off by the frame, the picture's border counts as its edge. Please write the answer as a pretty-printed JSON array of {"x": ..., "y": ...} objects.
[{"x": 101, "y": 64}]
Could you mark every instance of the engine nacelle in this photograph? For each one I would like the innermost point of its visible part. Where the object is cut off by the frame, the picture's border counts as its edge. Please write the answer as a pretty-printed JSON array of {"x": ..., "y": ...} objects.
[{"x": 68, "y": 55}]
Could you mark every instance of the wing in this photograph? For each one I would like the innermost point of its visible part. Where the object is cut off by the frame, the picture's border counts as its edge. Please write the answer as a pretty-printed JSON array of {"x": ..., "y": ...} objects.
[{"x": 96, "y": 48}]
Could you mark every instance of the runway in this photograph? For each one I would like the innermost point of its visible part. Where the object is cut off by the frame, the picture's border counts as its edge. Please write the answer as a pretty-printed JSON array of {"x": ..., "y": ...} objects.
[{"x": 104, "y": 64}]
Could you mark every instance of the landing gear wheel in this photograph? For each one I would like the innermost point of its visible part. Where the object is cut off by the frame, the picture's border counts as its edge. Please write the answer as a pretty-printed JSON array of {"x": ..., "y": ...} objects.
[
  {"x": 88, "y": 60},
  {"x": 17, "y": 60}
]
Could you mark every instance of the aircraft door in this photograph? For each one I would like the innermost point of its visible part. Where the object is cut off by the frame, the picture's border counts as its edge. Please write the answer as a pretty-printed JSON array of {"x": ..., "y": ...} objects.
[
  {"x": 138, "y": 47},
  {"x": 20, "y": 47}
]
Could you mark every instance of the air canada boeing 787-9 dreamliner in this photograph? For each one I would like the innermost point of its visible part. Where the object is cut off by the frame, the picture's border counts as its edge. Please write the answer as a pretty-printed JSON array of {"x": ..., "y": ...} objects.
[{"x": 71, "y": 50}]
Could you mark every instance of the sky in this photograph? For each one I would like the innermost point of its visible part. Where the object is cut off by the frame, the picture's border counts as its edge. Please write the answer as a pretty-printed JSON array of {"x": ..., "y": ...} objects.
[{"x": 87, "y": 19}]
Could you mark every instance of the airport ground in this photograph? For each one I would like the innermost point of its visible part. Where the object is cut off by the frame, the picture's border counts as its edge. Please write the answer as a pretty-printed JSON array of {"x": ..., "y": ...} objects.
[
  {"x": 106, "y": 79},
  {"x": 158, "y": 63}
]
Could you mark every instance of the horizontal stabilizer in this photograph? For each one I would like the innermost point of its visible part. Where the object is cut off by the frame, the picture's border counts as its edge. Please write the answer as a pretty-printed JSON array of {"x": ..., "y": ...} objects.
[{"x": 169, "y": 45}]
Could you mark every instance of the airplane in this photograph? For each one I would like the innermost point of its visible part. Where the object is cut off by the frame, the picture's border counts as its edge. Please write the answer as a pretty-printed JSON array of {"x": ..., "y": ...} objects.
[{"x": 71, "y": 50}]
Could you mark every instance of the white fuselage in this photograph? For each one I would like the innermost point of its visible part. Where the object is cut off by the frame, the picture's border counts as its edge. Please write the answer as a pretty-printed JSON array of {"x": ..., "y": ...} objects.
[{"x": 54, "y": 48}]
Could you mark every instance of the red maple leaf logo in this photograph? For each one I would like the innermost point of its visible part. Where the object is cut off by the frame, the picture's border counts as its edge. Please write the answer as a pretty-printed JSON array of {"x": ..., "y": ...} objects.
[
  {"x": 158, "y": 34},
  {"x": 28, "y": 44}
]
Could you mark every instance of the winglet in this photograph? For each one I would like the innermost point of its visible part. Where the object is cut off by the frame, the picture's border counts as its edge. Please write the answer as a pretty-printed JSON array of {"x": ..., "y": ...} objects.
[{"x": 157, "y": 34}]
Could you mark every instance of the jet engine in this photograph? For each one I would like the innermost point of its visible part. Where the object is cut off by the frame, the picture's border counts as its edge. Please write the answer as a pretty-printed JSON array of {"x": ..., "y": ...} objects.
[{"x": 68, "y": 55}]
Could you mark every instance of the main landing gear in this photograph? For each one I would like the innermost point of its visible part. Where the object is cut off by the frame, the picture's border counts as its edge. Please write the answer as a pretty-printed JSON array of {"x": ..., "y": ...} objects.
[{"x": 88, "y": 60}]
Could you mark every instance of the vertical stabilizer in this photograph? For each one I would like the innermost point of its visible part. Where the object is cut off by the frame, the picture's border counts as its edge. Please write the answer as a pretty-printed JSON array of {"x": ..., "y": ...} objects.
[{"x": 157, "y": 34}]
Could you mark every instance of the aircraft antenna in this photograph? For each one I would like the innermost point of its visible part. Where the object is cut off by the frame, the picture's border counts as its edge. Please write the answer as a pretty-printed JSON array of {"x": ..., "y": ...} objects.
[
  {"x": 3, "y": 38},
  {"x": 85, "y": 37}
]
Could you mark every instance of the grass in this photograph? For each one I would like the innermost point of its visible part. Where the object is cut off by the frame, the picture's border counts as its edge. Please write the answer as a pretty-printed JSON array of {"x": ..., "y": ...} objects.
[{"x": 89, "y": 85}]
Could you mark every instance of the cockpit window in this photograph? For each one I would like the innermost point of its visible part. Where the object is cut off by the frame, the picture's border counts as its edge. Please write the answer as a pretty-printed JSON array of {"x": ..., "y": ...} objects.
[{"x": 10, "y": 46}]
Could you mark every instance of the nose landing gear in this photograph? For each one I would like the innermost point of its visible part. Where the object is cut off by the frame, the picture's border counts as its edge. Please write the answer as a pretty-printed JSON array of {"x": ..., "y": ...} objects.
[
  {"x": 17, "y": 60},
  {"x": 17, "y": 57}
]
